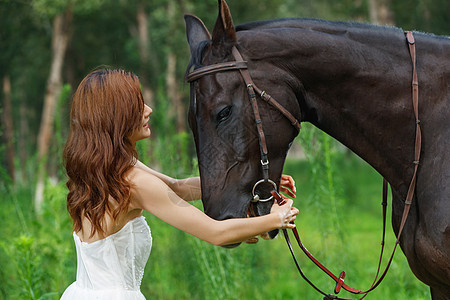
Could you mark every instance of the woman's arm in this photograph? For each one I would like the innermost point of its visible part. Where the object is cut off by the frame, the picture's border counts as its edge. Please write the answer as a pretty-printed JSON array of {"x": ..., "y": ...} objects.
[
  {"x": 152, "y": 194},
  {"x": 188, "y": 189}
]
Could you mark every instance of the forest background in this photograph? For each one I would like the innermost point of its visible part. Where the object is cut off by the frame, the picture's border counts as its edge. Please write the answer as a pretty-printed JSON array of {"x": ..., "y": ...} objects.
[{"x": 48, "y": 46}]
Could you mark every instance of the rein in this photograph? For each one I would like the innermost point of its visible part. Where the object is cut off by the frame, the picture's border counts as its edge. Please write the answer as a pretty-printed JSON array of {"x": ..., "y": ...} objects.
[{"x": 241, "y": 65}]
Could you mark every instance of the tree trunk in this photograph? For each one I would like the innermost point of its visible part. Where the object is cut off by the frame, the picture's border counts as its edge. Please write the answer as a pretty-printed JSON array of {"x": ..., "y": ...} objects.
[
  {"x": 60, "y": 39},
  {"x": 380, "y": 12},
  {"x": 8, "y": 126},
  {"x": 143, "y": 39},
  {"x": 22, "y": 143},
  {"x": 173, "y": 93}
]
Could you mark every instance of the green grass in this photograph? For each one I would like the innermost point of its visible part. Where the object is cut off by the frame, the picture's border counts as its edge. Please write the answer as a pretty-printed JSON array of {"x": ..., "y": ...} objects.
[{"x": 38, "y": 261}]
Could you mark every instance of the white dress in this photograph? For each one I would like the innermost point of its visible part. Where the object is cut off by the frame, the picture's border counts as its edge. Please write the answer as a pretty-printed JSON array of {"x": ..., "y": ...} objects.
[{"x": 112, "y": 268}]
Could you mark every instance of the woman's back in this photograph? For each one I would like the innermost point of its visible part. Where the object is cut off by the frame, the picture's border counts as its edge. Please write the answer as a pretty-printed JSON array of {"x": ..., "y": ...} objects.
[{"x": 113, "y": 267}]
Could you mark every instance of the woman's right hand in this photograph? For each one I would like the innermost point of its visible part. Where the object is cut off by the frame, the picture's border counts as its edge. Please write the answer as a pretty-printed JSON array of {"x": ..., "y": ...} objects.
[{"x": 286, "y": 213}]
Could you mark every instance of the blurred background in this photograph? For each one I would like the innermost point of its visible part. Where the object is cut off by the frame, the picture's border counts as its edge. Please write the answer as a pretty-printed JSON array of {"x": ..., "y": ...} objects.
[{"x": 48, "y": 46}]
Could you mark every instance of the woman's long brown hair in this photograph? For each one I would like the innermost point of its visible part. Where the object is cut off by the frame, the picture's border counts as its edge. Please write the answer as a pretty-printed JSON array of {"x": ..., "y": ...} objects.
[{"x": 107, "y": 107}]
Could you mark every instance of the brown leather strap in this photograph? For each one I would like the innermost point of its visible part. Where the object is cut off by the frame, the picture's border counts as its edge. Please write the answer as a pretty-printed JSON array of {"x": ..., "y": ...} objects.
[
  {"x": 339, "y": 280},
  {"x": 418, "y": 141},
  {"x": 264, "y": 96},
  {"x": 225, "y": 66},
  {"x": 251, "y": 94}
]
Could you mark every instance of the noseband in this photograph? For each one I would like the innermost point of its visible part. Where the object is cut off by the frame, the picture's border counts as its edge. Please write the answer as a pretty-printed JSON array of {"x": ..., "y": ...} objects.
[{"x": 241, "y": 65}]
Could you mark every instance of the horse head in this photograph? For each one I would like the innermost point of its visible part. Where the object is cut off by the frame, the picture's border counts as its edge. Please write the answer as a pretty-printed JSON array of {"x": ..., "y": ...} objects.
[{"x": 223, "y": 123}]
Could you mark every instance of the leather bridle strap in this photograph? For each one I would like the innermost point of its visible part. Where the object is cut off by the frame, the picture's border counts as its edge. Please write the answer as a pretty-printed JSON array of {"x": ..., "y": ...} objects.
[
  {"x": 225, "y": 66},
  {"x": 251, "y": 88},
  {"x": 339, "y": 280},
  {"x": 261, "y": 136},
  {"x": 417, "y": 150}
]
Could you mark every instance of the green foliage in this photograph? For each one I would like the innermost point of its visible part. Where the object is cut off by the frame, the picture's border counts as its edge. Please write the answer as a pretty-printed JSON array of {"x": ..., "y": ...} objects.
[
  {"x": 51, "y": 8},
  {"x": 36, "y": 254},
  {"x": 22, "y": 253},
  {"x": 61, "y": 128},
  {"x": 427, "y": 16}
]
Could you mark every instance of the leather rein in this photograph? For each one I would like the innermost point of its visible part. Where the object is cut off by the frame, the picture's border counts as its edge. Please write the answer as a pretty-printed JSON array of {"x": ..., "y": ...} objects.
[{"x": 241, "y": 65}]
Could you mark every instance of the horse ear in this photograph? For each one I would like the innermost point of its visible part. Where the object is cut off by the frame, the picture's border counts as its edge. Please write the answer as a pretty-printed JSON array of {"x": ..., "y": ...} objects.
[
  {"x": 196, "y": 31},
  {"x": 224, "y": 34}
]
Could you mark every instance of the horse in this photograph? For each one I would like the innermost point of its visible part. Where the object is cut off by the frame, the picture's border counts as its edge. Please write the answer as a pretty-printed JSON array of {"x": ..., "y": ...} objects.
[{"x": 350, "y": 80}]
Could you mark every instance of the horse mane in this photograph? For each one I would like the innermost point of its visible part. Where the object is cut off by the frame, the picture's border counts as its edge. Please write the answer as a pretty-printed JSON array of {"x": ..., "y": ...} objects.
[
  {"x": 325, "y": 26},
  {"x": 311, "y": 23}
]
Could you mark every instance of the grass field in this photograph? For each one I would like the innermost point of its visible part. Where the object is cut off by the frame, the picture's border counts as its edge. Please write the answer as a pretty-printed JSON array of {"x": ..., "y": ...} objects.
[{"x": 339, "y": 222}]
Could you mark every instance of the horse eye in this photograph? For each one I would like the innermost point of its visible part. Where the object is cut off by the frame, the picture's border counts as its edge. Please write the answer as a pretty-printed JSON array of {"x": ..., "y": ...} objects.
[{"x": 224, "y": 114}]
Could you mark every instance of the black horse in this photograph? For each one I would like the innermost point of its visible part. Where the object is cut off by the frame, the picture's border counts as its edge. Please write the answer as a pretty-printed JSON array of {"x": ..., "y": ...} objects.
[{"x": 352, "y": 81}]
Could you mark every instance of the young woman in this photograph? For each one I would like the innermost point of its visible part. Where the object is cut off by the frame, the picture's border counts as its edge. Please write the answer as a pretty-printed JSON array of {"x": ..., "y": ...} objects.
[{"x": 109, "y": 188}]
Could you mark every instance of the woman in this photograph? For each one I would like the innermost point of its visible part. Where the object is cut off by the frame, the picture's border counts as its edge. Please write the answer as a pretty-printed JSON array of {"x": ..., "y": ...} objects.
[{"x": 109, "y": 188}]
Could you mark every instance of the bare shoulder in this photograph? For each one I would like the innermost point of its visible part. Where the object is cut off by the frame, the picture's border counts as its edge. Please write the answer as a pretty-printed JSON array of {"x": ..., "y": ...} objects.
[
  {"x": 145, "y": 186},
  {"x": 143, "y": 180},
  {"x": 136, "y": 174}
]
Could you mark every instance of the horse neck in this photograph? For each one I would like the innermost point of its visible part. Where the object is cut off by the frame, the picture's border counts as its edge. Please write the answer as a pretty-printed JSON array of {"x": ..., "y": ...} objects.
[{"x": 354, "y": 84}]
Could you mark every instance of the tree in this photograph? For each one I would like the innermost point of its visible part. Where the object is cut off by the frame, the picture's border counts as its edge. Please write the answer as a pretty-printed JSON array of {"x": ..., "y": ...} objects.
[
  {"x": 144, "y": 51},
  {"x": 21, "y": 48},
  {"x": 60, "y": 39},
  {"x": 172, "y": 82},
  {"x": 61, "y": 12},
  {"x": 8, "y": 126}
]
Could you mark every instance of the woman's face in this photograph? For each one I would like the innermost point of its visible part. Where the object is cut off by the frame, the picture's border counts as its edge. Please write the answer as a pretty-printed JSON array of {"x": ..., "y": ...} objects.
[{"x": 143, "y": 131}]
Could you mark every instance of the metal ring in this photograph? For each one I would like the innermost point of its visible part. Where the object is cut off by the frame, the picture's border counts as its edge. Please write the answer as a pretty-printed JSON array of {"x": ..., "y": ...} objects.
[{"x": 256, "y": 197}]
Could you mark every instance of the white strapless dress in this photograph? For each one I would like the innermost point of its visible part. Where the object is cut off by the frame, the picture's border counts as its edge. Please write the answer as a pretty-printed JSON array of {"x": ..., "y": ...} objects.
[{"x": 112, "y": 268}]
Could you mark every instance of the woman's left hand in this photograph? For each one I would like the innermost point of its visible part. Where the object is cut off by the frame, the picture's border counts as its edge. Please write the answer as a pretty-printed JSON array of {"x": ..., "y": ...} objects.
[{"x": 287, "y": 185}]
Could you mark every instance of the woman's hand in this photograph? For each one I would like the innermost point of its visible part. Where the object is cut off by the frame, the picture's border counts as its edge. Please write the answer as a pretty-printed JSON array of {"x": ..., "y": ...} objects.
[
  {"x": 286, "y": 212},
  {"x": 287, "y": 185}
]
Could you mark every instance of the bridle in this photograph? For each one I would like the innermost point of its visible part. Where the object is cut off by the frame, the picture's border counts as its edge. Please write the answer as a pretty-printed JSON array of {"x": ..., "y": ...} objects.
[{"x": 241, "y": 65}]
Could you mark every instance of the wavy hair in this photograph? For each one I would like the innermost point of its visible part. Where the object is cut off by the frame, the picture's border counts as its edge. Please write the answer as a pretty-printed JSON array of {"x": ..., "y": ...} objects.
[{"x": 107, "y": 107}]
